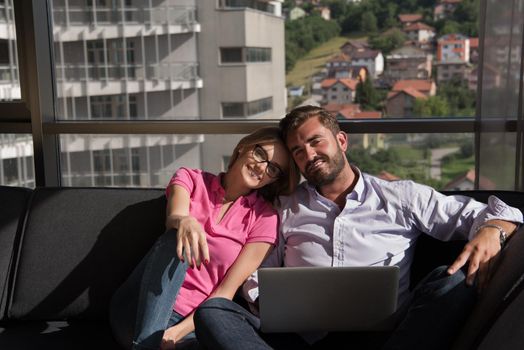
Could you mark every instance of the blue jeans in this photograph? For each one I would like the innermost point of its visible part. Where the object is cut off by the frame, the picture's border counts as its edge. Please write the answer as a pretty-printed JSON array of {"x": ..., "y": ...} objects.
[
  {"x": 142, "y": 308},
  {"x": 430, "y": 319}
]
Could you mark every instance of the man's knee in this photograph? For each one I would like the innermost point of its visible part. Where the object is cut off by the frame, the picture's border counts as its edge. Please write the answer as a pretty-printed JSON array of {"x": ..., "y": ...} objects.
[
  {"x": 439, "y": 282},
  {"x": 217, "y": 303},
  {"x": 211, "y": 308}
]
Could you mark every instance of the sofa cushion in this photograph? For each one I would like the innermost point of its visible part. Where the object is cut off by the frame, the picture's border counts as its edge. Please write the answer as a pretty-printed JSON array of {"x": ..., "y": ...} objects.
[
  {"x": 14, "y": 202},
  {"x": 58, "y": 335},
  {"x": 78, "y": 246}
]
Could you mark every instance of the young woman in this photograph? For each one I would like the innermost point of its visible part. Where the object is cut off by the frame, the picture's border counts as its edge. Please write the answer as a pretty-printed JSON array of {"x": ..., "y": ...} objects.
[{"x": 219, "y": 229}]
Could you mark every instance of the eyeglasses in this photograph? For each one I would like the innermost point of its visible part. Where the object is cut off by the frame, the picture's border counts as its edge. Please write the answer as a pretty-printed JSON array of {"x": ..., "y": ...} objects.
[{"x": 272, "y": 169}]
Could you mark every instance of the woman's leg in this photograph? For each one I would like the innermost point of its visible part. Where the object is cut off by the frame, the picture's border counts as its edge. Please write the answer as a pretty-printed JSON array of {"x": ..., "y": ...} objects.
[{"x": 142, "y": 307}]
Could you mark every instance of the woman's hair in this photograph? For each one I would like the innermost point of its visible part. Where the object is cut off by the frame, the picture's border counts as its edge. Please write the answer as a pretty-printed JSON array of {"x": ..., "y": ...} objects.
[
  {"x": 285, "y": 184},
  {"x": 298, "y": 116}
]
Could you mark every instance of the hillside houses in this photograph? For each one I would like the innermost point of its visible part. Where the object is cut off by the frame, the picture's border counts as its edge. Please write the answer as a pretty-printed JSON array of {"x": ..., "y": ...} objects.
[
  {"x": 339, "y": 91},
  {"x": 408, "y": 19},
  {"x": 407, "y": 74},
  {"x": 359, "y": 54},
  {"x": 401, "y": 99},
  {"x": 408, "y": 62}
]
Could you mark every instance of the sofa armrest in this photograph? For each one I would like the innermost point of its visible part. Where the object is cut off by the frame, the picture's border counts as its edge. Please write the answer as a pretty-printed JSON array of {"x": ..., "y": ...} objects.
[{"x": 497, "y": 317}]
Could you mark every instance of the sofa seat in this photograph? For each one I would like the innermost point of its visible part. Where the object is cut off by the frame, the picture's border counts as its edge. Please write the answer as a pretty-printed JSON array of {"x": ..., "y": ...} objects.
[
  {"x": 64, "y": 251},
  {"x": 57, "y": 335}
]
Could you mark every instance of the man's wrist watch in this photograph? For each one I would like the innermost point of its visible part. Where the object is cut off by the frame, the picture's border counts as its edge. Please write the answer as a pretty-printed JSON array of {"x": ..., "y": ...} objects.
[{"x": 503, "y": 235}]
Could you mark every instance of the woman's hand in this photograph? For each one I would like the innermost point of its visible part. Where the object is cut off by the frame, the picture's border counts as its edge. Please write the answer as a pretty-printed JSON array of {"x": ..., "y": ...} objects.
[
  {"x": 191, "y": 237},
  {"x": 170, "y": 337},
  {"x": 192, "y": 241},
  {"x": 174, "y": 334}
]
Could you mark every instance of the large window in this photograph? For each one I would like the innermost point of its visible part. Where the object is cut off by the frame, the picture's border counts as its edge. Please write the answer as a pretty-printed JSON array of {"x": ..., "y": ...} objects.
[
  {"x": 120, "y": 93},
  {"x": 246, "y": 54},
  {"x": 244, "y": 109}
]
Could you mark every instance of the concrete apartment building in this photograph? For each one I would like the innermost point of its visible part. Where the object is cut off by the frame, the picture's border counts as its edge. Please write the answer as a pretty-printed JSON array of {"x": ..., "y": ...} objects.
[{"x": 155, "y": 60}]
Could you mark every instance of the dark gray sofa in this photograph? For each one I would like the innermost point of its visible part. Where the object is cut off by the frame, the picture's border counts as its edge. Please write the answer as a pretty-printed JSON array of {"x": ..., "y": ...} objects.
[{"x": 64, "y": 251}]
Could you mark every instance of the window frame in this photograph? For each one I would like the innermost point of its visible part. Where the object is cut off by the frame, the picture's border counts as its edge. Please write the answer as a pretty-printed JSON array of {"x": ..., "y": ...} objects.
[{"x": 35, "y": 113}]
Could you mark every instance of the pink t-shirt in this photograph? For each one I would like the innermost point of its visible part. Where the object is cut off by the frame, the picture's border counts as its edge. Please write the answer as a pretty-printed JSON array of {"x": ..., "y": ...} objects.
[{"x": 249, "y": 219}]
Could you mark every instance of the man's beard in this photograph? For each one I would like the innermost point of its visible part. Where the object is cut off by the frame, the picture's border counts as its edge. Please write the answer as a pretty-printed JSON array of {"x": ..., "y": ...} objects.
[{"x": 326, "y": 176}]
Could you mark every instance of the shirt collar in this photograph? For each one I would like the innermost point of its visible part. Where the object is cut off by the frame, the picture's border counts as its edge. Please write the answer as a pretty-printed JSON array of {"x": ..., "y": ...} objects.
[{"x": 358, "y": 190}]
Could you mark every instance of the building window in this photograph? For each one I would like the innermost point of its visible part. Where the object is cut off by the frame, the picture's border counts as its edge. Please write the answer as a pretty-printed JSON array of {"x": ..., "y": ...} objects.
[
  {"x": 258, "y": 54},
  {"x": 109, "y": 62},
  {"x": 253, "y": 4},
  {"x": 233, "y": 109},
  {"x": 113, "y": 107},
  {"x": 245, "y": 54},
  {"x": 242, "y": 109},
  {"x": 231, "y": 55},
  {"x": 259, "y": 106}
]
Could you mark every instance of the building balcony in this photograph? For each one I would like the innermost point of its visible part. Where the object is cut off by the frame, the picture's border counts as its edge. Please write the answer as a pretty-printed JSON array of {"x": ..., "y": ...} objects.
[
  {"x": 72, "y": 24},
  {"x": 82, "y": 80}
]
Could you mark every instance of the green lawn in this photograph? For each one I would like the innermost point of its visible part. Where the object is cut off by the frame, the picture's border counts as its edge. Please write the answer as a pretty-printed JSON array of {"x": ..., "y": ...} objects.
[
  {"x": 457, "y": 167},
  {"x": 313, "y": 62}
]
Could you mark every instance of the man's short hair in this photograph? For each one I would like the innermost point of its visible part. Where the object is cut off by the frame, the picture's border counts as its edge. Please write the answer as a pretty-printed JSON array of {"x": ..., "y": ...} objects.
[{"x": 298, "y": 116}]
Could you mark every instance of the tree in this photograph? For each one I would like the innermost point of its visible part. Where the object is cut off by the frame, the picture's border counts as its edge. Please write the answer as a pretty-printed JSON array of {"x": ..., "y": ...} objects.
[
  {"x": 306, "y": 33},
  {"x": 461, "y": 100},
  {"x": 449, "y": 27},
  {"x": 433, "y": 106},
  {"x": 387, "y": 42},
  {"x": 369, "y": 22},
  {"x": 366, "y": 95}
]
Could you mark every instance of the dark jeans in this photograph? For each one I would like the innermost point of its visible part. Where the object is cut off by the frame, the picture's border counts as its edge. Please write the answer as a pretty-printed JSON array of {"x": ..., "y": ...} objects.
[
  {"x": 429, "y": 319},
  {"x": 142, "y": 308}
]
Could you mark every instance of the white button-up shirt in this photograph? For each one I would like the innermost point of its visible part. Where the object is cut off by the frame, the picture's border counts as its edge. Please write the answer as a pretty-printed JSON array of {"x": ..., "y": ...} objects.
[{"x": 378, "y": 225}]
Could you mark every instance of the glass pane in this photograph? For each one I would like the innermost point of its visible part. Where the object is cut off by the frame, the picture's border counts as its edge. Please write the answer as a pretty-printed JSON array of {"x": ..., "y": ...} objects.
[
  {"x": 9, "y": 79},
  {"x": 139, "y": 160},
  {"x": 161, "y": 60},
  {"x": 441, "y": 161},
  {"x": 501, "y": 85},
  {"x": 16, "y": 160}
]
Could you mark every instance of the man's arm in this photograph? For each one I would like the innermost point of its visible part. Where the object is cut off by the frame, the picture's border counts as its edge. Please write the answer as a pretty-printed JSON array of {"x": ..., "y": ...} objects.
[{"x": 480, "y": 251}]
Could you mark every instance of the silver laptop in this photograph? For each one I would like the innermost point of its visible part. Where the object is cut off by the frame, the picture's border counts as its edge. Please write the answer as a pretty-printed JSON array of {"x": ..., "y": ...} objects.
[{"x": 309, "y": 299}]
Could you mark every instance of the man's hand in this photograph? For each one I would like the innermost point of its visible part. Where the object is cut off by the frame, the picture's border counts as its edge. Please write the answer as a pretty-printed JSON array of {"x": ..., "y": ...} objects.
[
  {"x": 481, "y": 253},
  {"x": 191, "y": 241}
]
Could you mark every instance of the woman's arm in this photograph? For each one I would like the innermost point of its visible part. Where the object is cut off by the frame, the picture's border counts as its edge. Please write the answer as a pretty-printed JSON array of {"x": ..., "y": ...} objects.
[
  {"x": 249, "y": 259},
  {"x": 191, "y": 236}
]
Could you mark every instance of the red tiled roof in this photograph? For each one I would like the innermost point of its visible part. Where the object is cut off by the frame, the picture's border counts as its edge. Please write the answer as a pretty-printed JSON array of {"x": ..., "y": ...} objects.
[
  {"x": 350, "y": 83},
  {"x": 410, "y": 17},
  {"x": 452, "y": 37},
  {"x": 409, "y": 91},
  {"x": 416, "y": 84},
  {"x": 418, "y": 26},
  {"x": 484, "y": 183},
  {"x": 335, "y": 108},
  {"x": 473, "y": 43}
]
